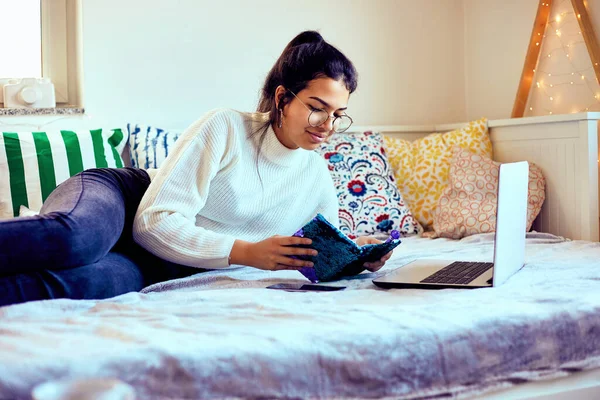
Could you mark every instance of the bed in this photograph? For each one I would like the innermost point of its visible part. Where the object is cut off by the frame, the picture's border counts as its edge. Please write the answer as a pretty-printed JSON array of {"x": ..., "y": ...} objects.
[{"x": 221, "y": 334}]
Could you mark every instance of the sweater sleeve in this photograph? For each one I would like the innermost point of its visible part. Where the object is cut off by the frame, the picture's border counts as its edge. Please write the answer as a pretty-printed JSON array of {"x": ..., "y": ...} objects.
[{"x": 165, "y": 223}]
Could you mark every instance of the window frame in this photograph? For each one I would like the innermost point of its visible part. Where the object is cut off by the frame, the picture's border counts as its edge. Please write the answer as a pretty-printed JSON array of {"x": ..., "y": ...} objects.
[{"x": 62, "y": 49}]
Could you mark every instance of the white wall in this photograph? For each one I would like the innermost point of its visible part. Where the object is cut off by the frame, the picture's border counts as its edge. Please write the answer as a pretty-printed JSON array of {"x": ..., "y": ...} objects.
[
  {"x": 496, "y": 38},
  {"x": 166, "y": 63}
]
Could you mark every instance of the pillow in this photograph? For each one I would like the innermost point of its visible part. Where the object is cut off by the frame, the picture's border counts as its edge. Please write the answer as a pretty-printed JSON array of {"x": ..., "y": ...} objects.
[
  {"x": 32, "y": 164},
  {"x": 369, "y": 200},
  {"x": 26, "y": 212},
  {"x": 148, "y": 146},
  {"x": 421, "y": 166},
  {"x": 467, "y": 205}
]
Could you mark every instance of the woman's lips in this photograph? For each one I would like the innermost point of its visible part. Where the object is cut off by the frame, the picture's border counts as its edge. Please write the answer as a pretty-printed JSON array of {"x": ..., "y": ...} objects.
[{"x": 316, "y": 138}]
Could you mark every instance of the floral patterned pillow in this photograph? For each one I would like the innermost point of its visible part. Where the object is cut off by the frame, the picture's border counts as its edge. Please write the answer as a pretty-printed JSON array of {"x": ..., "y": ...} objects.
[{"x": 370, "y": 203}]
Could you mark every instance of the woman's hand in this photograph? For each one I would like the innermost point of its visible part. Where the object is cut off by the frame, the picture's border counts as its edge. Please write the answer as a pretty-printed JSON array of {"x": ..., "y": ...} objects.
[
  {"x": 373, "y": 266},
  {"x": 274, "y": 253}
]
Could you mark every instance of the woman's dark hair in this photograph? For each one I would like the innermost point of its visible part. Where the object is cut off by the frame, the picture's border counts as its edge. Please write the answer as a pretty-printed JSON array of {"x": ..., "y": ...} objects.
[{"x": 308, "y": 56}]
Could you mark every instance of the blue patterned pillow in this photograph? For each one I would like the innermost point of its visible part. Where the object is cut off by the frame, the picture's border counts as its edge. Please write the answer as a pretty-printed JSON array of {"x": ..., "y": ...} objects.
[
  {"x": 149, "y": 146},
  {"x": 369, "y": 201}
]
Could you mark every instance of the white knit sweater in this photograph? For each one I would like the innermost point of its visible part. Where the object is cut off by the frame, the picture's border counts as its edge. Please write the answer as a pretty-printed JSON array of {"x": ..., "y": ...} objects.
[{"x": 208, "y": 192}]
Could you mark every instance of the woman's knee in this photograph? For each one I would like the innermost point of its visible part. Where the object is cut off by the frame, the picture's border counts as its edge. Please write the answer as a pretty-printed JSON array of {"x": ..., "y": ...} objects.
[
  {"x": 85, "y": 216},
  {"x": 84, "y": 239},
  {"x": 80, "y": 222}
]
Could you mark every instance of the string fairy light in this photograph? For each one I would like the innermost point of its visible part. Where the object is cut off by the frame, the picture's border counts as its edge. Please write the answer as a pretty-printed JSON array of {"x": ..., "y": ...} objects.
[{"x": 561, "y": 28}]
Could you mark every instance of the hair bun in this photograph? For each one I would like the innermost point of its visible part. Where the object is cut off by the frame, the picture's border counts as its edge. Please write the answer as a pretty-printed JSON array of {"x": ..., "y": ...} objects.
[{"x": 306, "y": 37}]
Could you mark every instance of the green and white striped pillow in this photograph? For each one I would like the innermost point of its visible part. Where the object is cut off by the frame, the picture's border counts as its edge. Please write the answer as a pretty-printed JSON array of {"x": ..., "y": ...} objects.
[{"x": 32, "y": 164}]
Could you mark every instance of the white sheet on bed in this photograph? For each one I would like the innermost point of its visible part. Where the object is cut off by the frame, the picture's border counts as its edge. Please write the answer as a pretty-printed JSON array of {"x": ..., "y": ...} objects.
[{"x": 221, "y": 334}]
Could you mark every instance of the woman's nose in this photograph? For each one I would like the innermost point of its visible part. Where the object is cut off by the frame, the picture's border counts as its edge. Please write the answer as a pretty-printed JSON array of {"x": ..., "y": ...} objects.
[{"x": 328, "y": 124}]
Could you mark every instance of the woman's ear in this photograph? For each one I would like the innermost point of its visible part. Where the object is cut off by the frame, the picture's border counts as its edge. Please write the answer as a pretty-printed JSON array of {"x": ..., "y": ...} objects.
[{"x": 279, "y": 93}]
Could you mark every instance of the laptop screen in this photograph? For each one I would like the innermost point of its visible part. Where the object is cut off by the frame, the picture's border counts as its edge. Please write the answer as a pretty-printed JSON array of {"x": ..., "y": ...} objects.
[{"x": 511, "y": 218}]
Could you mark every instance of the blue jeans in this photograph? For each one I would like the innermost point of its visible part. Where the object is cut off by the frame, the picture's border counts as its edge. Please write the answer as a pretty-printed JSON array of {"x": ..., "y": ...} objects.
[{"x": 80, "y": 246}]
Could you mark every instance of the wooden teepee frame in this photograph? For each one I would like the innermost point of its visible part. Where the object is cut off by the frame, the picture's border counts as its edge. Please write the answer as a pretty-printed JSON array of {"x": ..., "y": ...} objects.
[{"x": 535, "y": 45}]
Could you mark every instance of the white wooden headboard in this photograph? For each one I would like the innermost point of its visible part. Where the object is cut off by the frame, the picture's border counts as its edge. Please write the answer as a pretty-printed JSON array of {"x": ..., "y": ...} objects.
[{"x": 565, "y": 147}]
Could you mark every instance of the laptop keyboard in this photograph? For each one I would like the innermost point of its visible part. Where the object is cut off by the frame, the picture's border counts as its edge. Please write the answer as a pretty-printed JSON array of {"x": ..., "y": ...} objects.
[{"x": 461, "y": 272}]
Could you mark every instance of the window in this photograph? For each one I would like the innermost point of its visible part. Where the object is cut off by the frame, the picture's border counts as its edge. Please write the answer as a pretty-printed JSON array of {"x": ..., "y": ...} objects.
[
  {"x": 45, "y": 42},
  {"x": 22, "y": 55}
]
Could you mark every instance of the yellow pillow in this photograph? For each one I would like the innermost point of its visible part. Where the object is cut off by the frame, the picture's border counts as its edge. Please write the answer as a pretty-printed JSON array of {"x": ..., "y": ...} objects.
[{"x": 421, "y": 167}]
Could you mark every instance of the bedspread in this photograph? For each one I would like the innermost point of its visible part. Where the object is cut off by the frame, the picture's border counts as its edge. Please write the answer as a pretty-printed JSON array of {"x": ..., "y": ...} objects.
[{"x": 220, "y": 334}]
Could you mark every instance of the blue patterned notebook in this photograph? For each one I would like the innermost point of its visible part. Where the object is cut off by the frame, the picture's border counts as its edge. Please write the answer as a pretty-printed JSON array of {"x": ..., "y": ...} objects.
[{"x": 338, "y": 255}]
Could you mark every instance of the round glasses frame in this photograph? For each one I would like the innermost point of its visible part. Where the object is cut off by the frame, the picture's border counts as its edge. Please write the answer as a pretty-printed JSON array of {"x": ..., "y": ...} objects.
[{"x": 337, "y": 120}]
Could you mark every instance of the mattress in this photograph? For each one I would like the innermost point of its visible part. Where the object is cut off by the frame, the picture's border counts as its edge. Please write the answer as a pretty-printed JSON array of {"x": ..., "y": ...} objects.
[{"x": 221, "y": 334}]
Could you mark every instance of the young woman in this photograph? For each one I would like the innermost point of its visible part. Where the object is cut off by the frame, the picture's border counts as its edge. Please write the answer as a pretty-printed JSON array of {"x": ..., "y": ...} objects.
[{"x": 232, "y": 192}]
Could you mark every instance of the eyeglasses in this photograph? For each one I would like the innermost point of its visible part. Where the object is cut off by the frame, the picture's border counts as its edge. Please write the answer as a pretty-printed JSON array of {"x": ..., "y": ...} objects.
[{"x": 318, "y": 117}]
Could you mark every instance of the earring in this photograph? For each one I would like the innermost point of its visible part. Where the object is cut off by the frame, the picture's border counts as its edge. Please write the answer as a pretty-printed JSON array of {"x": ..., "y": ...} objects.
[{"x": 280, "y": 123}]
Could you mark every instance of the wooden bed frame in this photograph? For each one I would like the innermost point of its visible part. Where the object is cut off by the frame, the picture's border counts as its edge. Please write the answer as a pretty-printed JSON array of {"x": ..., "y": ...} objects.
[{"x": 565, "y": 147}]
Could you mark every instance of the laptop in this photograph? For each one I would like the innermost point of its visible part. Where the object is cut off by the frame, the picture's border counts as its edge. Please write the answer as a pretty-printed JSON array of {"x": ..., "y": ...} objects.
[{"x": 509, "y": 245}]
